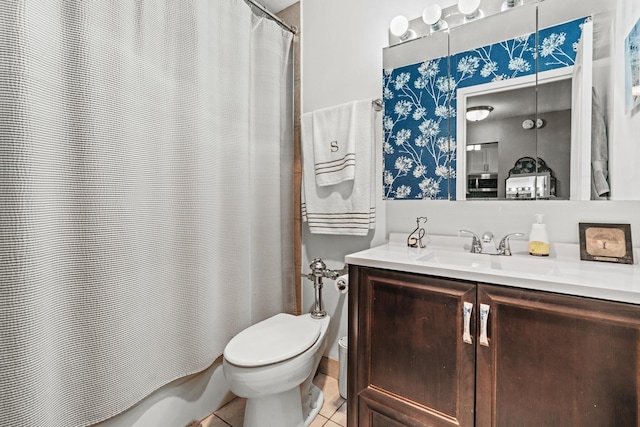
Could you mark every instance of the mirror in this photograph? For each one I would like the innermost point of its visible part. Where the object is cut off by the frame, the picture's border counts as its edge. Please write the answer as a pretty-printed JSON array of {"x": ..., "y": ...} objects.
[
  {"x": 493, "y": 64},
  {"x": 521, "y": 127},
  {"x": 416, "y": 147},
  {"x": 540, "y": 107}
]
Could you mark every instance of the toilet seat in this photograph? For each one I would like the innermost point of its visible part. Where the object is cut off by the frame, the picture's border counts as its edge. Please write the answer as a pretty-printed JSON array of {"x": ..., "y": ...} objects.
[{"x": 273, "y": 340}]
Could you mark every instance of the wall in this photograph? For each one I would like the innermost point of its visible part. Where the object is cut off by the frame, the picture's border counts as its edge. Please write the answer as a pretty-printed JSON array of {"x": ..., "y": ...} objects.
[
  {"x": 342, "y": 61},
  {"x": 625, "y": 173},
  {"x": 342, "y": 45}
]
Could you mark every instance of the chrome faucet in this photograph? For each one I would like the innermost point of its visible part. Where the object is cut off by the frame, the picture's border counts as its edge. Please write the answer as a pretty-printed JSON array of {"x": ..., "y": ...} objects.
[
  {"x": 476, "y": 245},
  {"x": 504, "y": 248},
  {"x": 487, "y": 245}
]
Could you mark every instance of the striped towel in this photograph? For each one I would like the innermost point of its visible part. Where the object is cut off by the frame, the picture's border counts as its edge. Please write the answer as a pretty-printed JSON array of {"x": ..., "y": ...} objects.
[
  {"x": 335, "y": 133},
  {"x": 347, "y": 208}
]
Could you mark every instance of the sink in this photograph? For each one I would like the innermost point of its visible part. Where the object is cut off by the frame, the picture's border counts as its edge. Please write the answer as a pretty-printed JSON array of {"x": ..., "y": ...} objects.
[
  {"x": 527, "y": 264},
  {"x": 517, "y": 263},
  {"x": 458, "y": 259},
  {"x": 453, "y": 253}
]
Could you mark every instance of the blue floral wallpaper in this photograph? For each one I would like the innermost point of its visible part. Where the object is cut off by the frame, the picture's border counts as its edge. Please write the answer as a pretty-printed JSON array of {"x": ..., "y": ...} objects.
[
  {"x": 632, "y": 66},
  {"x": 420, "y": 106}
]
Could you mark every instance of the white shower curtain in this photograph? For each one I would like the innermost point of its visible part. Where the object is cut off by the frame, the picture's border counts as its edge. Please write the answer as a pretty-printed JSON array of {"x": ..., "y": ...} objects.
[{"x": 145, "y": 196}]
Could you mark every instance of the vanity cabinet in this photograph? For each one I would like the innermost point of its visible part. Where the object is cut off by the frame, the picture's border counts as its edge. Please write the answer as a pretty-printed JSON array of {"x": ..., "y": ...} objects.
[{"x": 550, "y": 359}]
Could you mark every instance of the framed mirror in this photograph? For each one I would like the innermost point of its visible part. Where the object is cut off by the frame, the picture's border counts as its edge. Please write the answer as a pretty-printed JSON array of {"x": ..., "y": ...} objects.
[
  {"x": 416, "y": 93},
  {"x": 493, "y": 65},
  {"x": 542, "y": 69}
]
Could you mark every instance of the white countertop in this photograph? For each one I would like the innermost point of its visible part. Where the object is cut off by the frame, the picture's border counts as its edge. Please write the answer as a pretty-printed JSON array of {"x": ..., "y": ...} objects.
[{"x": 561, "y": 272}]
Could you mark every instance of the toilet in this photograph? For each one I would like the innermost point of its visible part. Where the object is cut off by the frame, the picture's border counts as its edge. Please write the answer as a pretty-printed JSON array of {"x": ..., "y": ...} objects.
[{"x": 272, "y": 365}]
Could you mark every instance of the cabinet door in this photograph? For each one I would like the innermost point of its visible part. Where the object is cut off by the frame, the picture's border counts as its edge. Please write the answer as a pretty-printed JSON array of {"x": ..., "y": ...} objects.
[
  {"x": 556, "y": 360},
  {"x": 413, "y": 368}
]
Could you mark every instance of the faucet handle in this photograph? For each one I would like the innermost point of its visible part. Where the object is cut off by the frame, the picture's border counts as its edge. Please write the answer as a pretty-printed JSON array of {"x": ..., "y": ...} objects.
[
  {"x": 476, "y": 244},
  {"x": 504, "y": 248}
]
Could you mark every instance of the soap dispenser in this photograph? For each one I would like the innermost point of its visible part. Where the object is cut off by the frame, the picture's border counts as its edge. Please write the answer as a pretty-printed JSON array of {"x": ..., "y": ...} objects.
[{"x": 539, "y": 238}]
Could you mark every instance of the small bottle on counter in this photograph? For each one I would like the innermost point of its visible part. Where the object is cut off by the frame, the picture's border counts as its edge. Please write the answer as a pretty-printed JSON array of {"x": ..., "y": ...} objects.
[{"x": 539, "y": 238}]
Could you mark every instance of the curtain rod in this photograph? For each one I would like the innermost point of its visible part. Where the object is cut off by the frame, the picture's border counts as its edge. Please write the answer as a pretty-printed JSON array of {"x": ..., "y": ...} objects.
[{"x": 270, "y": 15}]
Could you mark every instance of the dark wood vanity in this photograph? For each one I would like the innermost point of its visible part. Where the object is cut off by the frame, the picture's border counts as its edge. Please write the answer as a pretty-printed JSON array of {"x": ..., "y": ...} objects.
[{"x": 551, "y": 360}]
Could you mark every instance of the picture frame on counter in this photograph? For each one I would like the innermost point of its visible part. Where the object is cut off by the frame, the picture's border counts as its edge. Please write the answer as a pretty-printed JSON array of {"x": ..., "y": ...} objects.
[{"x": 606, "y": 242}]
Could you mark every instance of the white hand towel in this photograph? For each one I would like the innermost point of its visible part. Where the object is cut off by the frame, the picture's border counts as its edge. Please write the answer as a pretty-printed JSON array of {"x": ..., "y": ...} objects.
[
  {"x": 346, "y": 208},
  {"x": 336, "y": 131},
  {"x": 599, "y": 150}
]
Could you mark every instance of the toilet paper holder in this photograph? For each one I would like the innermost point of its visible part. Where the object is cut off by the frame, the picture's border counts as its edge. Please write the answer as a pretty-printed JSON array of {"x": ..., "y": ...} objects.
[{"x": 319, "y": 271}]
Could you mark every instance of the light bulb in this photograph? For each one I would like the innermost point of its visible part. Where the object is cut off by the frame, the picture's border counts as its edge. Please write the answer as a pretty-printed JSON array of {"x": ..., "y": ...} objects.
[
  {"x": 432, "y": 14},
  {"x": 469, "y": 8},
  {"x": 481, "y": 112},
  {"x": 399, "y": 26}
]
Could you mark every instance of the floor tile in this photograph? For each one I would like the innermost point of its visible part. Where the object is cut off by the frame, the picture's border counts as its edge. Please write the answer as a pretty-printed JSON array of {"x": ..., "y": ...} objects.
[
  {"x": 340, "y": 417},
  {"x": 213, "y": 421},
  {"x": 319, "y": 421},
  {"x": 332, "y": 399},
  {"x": 332, "y": 414},
  {"x": 233, "y": 412}
]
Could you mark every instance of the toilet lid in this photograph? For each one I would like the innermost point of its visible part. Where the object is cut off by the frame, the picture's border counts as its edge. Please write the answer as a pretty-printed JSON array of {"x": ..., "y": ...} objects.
[{"x": 273, "y": 340}]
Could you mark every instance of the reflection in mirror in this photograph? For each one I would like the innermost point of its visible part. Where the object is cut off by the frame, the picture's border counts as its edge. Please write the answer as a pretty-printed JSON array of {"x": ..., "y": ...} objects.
[
  {"x": 489, "y": 58},
  {"x": 591, "y": 91},
  {"x": 499, "y": 49},
  {"x": 417, "y": 150},
  {"x": 531, "y": 179},
  {"x": 534, "y": 107},
  {"x": 513, "y": 124}
]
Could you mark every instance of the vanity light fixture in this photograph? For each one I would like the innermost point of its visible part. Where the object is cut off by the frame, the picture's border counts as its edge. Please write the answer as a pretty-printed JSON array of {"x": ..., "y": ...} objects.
[
  {"x": 432, "y": 16},
  {"x": 481, "y": 112},
  {"x": 635, "y": 90},
  {"x": 399, "y": 27},
  {"x": 470, "y": 9}
]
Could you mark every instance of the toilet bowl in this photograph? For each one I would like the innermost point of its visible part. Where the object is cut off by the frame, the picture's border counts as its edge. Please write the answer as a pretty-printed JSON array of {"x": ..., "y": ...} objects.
[{"x": 272, "y": 365}]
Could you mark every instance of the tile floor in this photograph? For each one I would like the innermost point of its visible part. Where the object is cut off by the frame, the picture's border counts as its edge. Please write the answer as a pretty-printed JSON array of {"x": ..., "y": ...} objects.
[{"x": 332, "y": 414}]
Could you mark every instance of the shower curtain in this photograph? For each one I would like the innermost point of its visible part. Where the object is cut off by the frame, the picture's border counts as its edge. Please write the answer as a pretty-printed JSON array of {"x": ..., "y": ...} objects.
[{"x": 145, "y": 196}]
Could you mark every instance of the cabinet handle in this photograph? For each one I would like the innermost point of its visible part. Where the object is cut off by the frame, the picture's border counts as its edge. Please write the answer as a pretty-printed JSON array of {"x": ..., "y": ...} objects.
[
  {"x": 466, "y": 316},
  {"x": 484, "y": 317}
]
